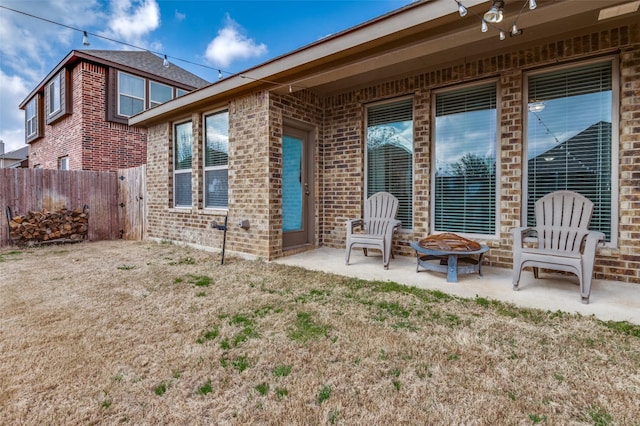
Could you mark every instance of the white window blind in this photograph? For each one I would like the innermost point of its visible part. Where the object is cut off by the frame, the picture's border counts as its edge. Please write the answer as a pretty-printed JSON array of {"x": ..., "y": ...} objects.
[
  {"x": 216, "y": 160},
  {"x": 182, "y": 164},
  {"x": 569, "y": 137},
  {"x": 465, "y": 182},
  {"x": 390, "y": 154}
]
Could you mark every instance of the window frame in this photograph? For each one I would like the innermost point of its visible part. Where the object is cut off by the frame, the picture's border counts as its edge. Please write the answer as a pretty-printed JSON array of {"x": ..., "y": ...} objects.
[
  {"x": 206, "y": 168},
  {"x": 177, "y": 171},
  {"x": 119, "y": 93},
  {"x": 54, "y": 99},
  {"x": 153, "y": 103},
  {"x": 32, "y": 120},
  {"x": 59, "y": 99},
  {"x": 497, "y": 146},
  {"x": 404, "y": 228},
  {"x": 615, "y": 137},
  {"x": 63, "y": 163}
]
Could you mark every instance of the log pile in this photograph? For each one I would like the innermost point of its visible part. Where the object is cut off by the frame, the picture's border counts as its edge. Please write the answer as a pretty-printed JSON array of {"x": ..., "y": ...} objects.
[{"x": 45, "y": 226}]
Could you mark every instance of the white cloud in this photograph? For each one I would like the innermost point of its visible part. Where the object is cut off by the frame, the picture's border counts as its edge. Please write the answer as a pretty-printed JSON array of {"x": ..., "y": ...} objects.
[
  {"x": 30, "y": 48},
  {"x": 14, "y": 89},
  {"x": 230, "y": 44},
  {"x": 179, "y": 16},
  {"x": 131, "y": 20}
]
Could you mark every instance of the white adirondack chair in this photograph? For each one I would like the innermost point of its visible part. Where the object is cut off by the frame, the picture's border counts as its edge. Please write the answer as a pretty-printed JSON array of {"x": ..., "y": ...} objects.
[
  {"x": 378, "y": 225},
  {"x": 564, "y": 241}
]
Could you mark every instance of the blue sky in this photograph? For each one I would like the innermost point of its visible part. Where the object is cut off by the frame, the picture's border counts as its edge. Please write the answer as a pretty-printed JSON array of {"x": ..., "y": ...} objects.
[{"x": 227, "y": 35}]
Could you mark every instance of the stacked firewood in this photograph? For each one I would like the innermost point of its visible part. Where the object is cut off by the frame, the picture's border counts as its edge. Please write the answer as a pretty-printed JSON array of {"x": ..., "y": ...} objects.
[{"x": 45, "y": 226}]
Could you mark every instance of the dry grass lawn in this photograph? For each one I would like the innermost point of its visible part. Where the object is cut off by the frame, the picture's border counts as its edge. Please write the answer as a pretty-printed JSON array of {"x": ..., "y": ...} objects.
[{"x": 144, "y": 333}]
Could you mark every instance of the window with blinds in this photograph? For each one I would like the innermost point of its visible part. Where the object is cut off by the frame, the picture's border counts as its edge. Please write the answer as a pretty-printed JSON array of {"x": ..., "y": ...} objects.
[
  {"x": 216, "y": 160},
  {"x": 569, "y": 137},
  {"x": 390, "y": 154},
  {"x": 465, "y": 183},
  {"x": 182, "y": 149}
]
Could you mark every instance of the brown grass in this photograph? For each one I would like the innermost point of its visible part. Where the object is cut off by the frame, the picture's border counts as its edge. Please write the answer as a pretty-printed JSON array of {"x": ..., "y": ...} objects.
[{"x": 120, "y": 333}]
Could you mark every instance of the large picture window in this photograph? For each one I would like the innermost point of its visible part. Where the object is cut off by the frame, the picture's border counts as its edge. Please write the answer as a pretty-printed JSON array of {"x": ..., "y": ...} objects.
[
  {"x": 390, "y": 154},
  {"x": 216, "y": 160},
  {"x": 182, "y": 149},
  {"x": 569, "y": 137},
  {"x": 465, "y": 183},
  {"x": 130, "y": 94}
]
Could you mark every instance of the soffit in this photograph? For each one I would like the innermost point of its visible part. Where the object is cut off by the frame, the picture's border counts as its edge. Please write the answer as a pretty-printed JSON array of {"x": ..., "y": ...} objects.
[
  {"x": 454, "y": 40},
  {"x": 422, "y": 36}
]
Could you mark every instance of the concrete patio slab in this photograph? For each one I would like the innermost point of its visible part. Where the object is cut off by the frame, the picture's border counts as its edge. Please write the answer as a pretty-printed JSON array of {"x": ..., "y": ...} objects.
[{"x": 610, "y": 300}]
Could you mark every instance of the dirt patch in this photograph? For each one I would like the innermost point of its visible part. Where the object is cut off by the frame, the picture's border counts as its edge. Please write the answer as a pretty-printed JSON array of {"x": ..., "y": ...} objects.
[{"x": 144, "y": 333}]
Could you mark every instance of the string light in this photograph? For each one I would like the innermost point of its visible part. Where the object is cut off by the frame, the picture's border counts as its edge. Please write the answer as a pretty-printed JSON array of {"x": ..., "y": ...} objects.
[
  {"x": 461, "y": 9},
  {"x": 165, "y": 61},
  {"x": 86, "y": 34},
  {"x": 495, "y": 15}
]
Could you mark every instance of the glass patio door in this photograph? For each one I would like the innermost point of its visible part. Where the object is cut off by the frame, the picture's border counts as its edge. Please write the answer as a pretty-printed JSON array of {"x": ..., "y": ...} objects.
[{"x": 297, "y": 198}]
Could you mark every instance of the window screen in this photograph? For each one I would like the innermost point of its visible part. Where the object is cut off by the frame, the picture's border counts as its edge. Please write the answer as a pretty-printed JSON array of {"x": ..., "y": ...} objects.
[
  {"x": 216, "y": 159},
  {"x": 465, "y": 182},
  {"x": 390, "y": 154},
  {"x": 569, "y": 137},
  {"x": 182, "y": 164}
]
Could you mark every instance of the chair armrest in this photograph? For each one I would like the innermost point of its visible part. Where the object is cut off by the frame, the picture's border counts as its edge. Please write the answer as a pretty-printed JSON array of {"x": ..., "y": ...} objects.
[
  {"x": 591, "y": 241},
  {"x": 522, "y": 232},
  {"x": 353, "y": 223},
  {"x": 396, "y": 225}
]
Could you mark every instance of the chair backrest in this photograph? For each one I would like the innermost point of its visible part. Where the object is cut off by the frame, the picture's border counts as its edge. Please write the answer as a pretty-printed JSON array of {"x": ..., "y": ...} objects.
[
  {"x": 562, "y": 220},
  {"x": 378, "y": 209}
]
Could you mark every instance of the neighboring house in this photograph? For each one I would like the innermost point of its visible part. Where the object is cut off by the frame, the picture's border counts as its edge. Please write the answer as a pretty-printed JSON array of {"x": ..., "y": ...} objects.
[
  {"x": 421, "y": 103},
  {"x": 13, "y": 159},
  {"x": 76, "y": 118}
]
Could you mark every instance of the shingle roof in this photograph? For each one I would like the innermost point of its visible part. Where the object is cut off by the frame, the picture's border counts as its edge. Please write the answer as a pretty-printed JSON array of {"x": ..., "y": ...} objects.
[{"x": 148, "y": 62}]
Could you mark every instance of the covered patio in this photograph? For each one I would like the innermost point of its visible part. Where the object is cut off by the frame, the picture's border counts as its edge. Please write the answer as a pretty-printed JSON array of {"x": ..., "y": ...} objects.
[{"x": 610, "y": 300}]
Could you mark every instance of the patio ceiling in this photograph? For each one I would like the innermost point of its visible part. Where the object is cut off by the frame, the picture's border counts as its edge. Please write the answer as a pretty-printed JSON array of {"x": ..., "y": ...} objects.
[{"x": 451, "y": 39}]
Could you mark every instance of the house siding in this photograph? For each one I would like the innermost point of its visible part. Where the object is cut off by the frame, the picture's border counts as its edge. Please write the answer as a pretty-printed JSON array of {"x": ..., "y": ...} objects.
[
  {"x": 85, "y": 136},
  {"x": 256, "y": 125}
]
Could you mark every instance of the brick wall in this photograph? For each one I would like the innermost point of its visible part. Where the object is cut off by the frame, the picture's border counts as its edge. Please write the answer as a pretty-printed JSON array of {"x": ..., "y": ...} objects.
[
  {"x": 85, "y": 136},
  {"x": 344, "y": 144},
  {"x": 256, "y": 128}
]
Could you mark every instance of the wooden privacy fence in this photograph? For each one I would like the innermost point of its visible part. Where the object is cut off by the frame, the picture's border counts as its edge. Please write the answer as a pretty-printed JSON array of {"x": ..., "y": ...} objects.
[{"x": 115, "y": 200}]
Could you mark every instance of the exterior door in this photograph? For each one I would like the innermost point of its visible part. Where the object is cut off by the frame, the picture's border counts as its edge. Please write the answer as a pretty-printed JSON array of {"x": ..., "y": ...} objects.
[{"x": 297, "y": 189}]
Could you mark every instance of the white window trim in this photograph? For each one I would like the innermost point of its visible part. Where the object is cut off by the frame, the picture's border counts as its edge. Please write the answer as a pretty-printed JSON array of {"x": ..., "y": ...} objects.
[
  {"x": 432, "y": 207},
  {"x": 615, "y": 138},
  {"x": 181, "y": 171},
  {"x": 205, "y": 169},
  {"x": 119, "y": 93},
  {"x": 404, "y": 229}
]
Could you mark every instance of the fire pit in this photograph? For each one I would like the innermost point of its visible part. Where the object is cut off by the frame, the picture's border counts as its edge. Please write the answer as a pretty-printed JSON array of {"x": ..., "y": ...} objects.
[{"x": 453, "y": 254}]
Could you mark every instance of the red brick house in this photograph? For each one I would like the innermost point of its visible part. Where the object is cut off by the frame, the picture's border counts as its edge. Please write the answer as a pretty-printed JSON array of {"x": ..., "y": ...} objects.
[
  {"x": 465, "y": 122},
  {"x": 76, "y": 118}
]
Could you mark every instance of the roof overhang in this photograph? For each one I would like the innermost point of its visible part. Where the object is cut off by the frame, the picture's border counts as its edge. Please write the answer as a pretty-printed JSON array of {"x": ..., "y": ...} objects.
[{"x": 419, "y": 37}]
